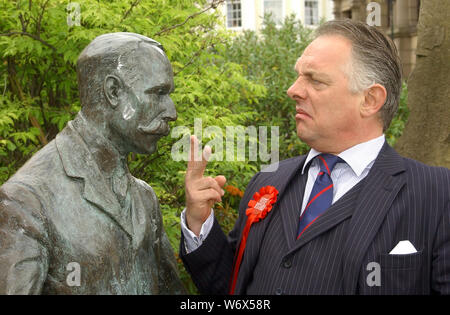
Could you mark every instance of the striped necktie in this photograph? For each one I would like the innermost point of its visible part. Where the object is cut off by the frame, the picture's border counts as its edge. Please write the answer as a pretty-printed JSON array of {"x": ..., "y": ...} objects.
[{"x": 321, "y": 194}]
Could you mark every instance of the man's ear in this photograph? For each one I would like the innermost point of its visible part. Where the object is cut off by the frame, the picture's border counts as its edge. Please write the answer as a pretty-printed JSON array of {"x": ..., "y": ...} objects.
[
  {"x": 111, "y": 87},
  {"x": 374, "y": 99}
]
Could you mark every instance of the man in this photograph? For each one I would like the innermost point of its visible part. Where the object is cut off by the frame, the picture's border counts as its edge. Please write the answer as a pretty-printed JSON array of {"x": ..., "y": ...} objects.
[
  {"x": 350, "y": 217},
  {"x": 73, "y": 220}
]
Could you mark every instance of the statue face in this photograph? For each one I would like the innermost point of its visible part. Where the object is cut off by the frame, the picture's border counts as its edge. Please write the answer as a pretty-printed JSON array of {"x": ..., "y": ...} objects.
[{"x": 144, "y": 106}]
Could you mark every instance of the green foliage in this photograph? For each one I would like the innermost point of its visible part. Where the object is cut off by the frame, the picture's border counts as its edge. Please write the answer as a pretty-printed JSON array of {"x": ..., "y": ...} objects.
[
  {"x": 401, "y": 117},
  {"x": 15, "y": 143},
  {"x": 269, "y": 58}
]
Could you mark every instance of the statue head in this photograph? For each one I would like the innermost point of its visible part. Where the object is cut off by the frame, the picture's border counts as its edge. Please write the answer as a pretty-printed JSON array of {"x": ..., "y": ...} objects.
[{"x": 125, "y": 81}]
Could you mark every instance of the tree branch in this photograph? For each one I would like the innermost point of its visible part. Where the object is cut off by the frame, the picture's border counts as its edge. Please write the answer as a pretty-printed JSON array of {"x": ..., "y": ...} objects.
[
  {"x": 15, "y": 87},
  {"x": 30, "y": 35},
  {"x": 135, "y": 3},
  {"x": 196, "y": 54},
  {"x": 38, "y": 24},
  {"x": 213, "y": 5}
]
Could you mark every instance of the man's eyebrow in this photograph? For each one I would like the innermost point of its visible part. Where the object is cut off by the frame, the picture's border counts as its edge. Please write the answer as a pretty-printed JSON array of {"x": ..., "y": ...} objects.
[
  {"x": 163, "y": 86},
  {"x": 316, "y": 74}
]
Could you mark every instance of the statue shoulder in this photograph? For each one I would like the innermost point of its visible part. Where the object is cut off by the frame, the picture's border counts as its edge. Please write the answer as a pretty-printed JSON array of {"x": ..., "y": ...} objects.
[
  {"x": 41, "y": 168},
  {"x": 146, "y": 189}
]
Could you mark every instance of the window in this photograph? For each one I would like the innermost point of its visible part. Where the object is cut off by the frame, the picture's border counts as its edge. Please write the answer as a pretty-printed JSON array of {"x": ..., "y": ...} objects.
[
  {"x": 274, "y": 7},
  {"x": 311, "y": 12},
  {"x": 234, "y": 18}
]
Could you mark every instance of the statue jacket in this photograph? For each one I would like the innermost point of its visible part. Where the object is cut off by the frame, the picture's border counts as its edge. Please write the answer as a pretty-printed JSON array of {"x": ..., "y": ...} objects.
[{"x": 63, "y": 230}]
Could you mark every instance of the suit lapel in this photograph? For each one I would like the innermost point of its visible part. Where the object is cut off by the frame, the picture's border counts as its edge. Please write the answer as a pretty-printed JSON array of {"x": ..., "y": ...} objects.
[
  {"x": 78, "y": 163},
  {"x": 280, "y": 180},
  {"x": 142, "y": 214},
  {"x": 381, "y": 188},
  {"x": 290, "y": 185},
  {"x": 290, "y": 207}
]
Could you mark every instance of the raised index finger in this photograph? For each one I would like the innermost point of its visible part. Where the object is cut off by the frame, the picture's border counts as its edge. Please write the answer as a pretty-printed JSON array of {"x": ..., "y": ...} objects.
[{"x": 196, "y": 164}]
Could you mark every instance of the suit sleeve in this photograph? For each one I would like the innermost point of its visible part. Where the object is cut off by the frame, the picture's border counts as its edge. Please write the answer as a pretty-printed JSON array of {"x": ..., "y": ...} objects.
[
  {"x": 23, "y": 241},
  {"x": 210, "y": 265},
  {"x": 441, "y": 255}
]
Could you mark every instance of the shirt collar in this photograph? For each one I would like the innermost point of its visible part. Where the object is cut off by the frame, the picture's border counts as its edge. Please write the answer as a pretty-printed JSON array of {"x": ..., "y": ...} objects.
[{"x": 357, "y": 157}]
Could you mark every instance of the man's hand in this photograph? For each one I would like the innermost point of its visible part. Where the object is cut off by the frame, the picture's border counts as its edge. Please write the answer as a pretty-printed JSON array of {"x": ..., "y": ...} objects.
[{"x": 201, "y": 192}]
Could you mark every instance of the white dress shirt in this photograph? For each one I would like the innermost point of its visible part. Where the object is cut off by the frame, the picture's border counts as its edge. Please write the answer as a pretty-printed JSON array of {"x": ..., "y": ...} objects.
[{"x": 358, "y": 162}]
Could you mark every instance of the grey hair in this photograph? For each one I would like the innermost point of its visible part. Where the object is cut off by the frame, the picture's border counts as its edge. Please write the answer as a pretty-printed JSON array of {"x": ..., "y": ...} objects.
[{"x": 375, "y": 59}]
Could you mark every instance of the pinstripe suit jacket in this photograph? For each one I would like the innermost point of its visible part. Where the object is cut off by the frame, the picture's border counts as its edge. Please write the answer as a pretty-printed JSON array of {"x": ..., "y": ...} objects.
[{"x": 400, "y": 199}]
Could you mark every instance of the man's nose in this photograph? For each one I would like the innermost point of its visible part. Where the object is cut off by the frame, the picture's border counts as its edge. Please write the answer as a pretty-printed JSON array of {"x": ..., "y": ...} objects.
[
  {"x": 296, "y": 90},
  {"x": 170, "y": 113}
]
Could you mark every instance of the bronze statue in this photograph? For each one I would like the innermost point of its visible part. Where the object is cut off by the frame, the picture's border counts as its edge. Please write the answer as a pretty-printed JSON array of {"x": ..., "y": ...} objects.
[{"x": 73, "y": 220}]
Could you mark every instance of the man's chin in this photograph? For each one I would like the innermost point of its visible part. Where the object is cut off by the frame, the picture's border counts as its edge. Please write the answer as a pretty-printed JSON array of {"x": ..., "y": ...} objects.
[
  {"x": 148, "y": 143},
  {"x": 150, "y": 149},
  {"x": 304, "y": 136},
  {"x": 300, "y": 132}
]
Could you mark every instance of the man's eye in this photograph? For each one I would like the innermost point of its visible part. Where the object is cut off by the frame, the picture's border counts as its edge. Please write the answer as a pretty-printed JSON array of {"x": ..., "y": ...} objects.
[{"x": 155, "y": 91}]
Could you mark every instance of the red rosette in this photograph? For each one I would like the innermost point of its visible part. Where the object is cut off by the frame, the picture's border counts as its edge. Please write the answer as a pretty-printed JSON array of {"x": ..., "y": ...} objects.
[
  {"x": 258, "y": 208},
  {"x": 261, "y": 204}
]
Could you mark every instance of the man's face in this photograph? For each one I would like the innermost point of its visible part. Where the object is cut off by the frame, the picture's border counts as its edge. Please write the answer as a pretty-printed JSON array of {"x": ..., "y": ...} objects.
[
  {"x": 327, "y": 113},
  {"x": 142, "y": 116}
]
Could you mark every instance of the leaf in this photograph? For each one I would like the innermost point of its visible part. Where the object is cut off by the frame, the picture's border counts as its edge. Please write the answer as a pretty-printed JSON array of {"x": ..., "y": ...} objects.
[{"x": 11, "y": 146}]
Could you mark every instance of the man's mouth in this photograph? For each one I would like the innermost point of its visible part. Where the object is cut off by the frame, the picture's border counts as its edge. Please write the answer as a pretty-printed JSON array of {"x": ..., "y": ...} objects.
[
  {"x": 301, "y": 114},
  {"x": 160, "y": 128}
]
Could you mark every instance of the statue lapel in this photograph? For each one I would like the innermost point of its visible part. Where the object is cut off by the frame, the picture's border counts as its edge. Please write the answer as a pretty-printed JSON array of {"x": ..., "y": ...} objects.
[{"x": 78, "y": 163}]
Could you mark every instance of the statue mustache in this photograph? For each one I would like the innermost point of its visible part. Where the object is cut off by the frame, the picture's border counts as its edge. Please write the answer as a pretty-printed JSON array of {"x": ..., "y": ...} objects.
[{"x": 155, "y": 127}]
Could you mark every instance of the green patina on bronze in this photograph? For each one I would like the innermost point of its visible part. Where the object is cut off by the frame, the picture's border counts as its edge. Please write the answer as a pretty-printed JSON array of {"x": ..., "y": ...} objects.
[{"x": 75, "y": 200}]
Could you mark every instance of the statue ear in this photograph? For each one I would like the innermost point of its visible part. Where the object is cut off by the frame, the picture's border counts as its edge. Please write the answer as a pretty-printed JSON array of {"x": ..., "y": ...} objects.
[{"x": 111, "y": 88}]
